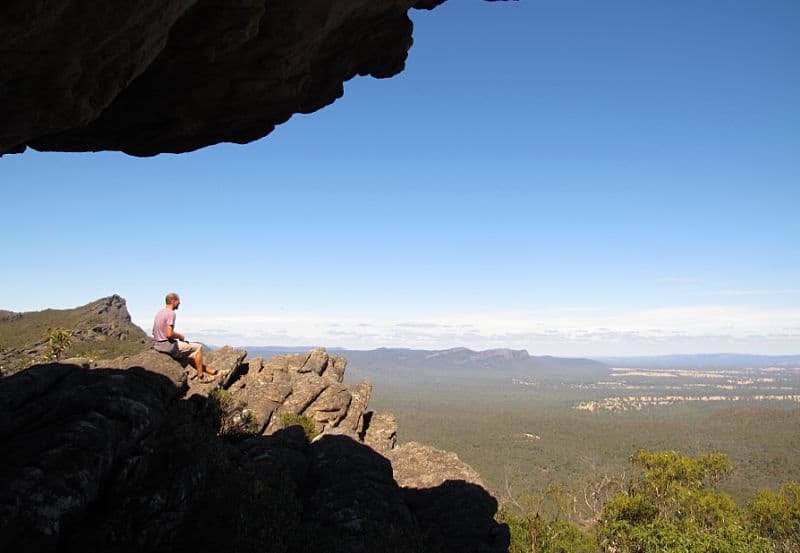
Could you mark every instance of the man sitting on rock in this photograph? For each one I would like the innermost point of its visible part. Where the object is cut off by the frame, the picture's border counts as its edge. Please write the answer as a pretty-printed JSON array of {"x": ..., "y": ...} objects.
[{"x": 174, "y": 343}]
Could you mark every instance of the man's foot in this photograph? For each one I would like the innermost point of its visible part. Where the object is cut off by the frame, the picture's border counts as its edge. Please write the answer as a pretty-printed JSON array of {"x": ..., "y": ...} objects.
[
  {"x": 210, "y": 371},
  {"x": 207, "y": 378}
]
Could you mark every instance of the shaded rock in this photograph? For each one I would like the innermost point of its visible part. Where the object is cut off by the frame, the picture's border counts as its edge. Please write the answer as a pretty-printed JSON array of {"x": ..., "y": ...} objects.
[
  {"x": 287, "y": 448},
  {"x": 121, "y": 458},
  {"x": 155, "y": 362},
  {"x": 353, "y": 503},
  {"x": 187, "y": 489},
  {"x": 27, "y": 385},
  {"x": 61, "y": 445},
  {"x": 175, "y": 76},
  {"x": 473, "y": 530}
]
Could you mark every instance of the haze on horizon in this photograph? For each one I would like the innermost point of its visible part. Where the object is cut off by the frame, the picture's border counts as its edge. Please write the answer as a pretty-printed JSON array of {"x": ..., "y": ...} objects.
[{"x": 574, "y": 179}]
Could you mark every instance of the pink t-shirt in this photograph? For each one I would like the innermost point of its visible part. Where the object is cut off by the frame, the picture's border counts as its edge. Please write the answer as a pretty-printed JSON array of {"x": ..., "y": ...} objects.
[{"x": 164, "y": 318}]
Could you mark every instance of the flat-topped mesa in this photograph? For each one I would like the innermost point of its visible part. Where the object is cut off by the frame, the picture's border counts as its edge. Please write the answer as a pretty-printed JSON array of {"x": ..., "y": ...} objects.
[{"x": 172, "y": 76}]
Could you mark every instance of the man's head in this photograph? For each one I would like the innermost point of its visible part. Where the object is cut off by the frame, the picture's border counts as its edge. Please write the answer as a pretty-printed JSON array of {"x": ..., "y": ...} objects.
[{"x": 173, "y": 300}]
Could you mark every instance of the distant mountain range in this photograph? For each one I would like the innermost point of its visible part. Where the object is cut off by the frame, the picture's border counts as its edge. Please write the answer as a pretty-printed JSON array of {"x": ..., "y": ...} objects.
[
  {"x": 400, "y": 363},
  {"x": 704, "y": 361},
  {"x": 413, "y": 364}
]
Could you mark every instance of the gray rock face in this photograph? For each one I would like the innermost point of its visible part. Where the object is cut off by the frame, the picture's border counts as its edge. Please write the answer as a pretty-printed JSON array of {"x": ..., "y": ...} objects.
[
  {"x": 130, "y": 455},
  {"x": 63, "y": 444},
  {"x": 381, "y": 432},
  {"x": 422, "y": 466}
]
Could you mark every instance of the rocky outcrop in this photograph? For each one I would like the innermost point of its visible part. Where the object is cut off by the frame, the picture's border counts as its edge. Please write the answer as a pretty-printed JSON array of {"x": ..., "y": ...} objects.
[
  {"x": 131, "y": 454},
  {"x": 172, "y": 76},
  {"x": 417, "y": 465},
  {"x": 102, "y": 328}
]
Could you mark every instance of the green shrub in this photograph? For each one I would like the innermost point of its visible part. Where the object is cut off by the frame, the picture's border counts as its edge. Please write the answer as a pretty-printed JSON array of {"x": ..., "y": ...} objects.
[
  {"x": 58, "y": 341},
  {"x": 776, "y": 516},
  {"x": 561, "y": 536},
  {"x": 519, "y": 528},
  {"x": 304, "y": 421}
]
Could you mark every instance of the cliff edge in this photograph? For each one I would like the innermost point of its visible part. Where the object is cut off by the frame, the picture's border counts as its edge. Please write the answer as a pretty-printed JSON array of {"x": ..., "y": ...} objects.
[{"x": 131, "y": 454}]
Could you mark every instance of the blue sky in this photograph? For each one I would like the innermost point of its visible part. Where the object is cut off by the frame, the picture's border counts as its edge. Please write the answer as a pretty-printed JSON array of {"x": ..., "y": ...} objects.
[{"x": 568, "y": 177}]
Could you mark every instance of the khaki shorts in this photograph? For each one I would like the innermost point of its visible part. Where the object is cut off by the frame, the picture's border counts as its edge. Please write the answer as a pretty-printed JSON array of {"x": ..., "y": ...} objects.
[{"x": 188, "y": 350}]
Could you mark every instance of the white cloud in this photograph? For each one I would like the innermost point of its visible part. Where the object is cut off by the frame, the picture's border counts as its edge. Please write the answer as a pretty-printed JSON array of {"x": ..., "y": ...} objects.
[
  {"x": 763, "y": 292},
  {"x": 554, "y": 331}
]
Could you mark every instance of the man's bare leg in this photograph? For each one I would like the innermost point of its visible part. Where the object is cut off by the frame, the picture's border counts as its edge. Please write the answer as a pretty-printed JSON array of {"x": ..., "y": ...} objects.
[{"x": 197, "y": 361}]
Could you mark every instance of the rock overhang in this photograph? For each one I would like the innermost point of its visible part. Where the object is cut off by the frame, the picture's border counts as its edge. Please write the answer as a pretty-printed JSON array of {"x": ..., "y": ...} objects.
[{"x": 155, "y": 77}]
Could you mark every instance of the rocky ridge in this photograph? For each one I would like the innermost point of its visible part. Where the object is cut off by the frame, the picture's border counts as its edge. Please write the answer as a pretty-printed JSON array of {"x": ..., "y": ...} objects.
[
  {"x": 131, "y": 454},
  {"x": 102, "y": 328}
]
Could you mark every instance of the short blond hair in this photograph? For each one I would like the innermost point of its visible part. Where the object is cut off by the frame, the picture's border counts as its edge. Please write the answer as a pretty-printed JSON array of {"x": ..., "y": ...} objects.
[{"x": 172, "y": 296}]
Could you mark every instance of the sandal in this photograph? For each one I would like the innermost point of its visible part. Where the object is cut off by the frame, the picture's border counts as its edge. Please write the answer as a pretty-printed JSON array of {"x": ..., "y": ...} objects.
[{"x": 206, "y": 378}]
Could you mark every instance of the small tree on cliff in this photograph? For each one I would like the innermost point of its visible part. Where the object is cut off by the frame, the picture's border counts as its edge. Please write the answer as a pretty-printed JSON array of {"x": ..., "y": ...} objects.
[{"x": 58, "y": 341}]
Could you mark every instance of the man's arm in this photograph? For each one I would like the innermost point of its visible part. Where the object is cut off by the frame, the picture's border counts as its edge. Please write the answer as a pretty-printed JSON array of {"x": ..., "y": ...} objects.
[{"x": 172, "y": 335}]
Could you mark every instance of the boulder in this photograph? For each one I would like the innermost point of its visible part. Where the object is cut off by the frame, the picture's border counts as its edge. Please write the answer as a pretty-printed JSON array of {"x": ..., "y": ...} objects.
[
  {"x": 316, "y": 362},
  {"x": 336, "y": 367},
  {"x": 154, "y": 361},
  {"x": 354, "y": 420},
  {"x": 417, "y": 465},
  {"x": 64, "y": 443},
  {"x": 381, "y": 431},
  {"x": 226, "y": 360},
  {"x": 330, "y": 407}
]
